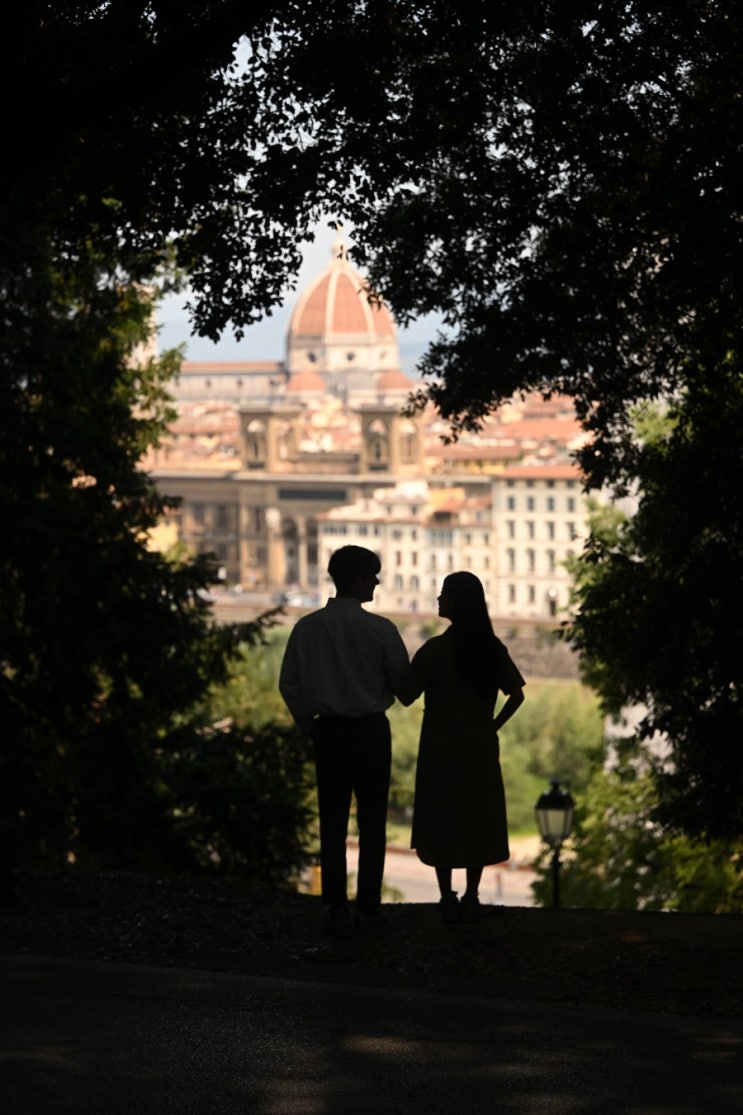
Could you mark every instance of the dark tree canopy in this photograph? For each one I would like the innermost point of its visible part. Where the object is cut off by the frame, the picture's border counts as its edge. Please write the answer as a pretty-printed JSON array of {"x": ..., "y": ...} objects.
[
  {"x": 105, "y": 646},
  {"x": 561, "y": 181}
]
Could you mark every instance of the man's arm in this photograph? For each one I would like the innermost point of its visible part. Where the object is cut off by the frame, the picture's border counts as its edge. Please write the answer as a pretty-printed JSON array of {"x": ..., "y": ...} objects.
[
  {"x": 397, "y": 663},
  {"x": 290, "y": 686}
]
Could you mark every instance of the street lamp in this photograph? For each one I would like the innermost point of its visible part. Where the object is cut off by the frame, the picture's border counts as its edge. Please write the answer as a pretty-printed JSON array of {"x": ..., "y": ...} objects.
[{"x": 554, "y": 812}]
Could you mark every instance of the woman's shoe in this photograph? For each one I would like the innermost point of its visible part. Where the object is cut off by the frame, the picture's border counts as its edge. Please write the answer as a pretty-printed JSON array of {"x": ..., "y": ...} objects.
[
  {"x": 449, "y": 906},
  {"x": 470, "y": 908}
]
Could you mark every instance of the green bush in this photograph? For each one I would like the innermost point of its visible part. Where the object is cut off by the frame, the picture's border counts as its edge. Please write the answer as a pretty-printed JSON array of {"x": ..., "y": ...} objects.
[{"x": 243, "y": 802}]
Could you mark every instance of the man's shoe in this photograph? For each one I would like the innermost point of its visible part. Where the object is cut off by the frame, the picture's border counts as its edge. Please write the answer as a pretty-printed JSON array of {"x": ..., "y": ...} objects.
[
  {"x": 338, "y": 920},
  {"x": 449, "y": 907},
  {"x": 368, "y": 921}
]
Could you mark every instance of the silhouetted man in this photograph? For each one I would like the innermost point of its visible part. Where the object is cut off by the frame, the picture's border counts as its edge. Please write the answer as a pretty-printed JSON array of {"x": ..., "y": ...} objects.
[{"x": 342, "y": 668}]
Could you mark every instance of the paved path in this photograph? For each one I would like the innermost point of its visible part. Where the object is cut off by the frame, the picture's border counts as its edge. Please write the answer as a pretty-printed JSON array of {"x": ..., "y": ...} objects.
[
  {"x": 406, "y": 876},
  {"x": 109, "y": 1039}
]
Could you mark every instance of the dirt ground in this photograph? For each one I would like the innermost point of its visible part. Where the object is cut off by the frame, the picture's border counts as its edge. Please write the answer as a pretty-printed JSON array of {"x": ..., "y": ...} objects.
[{"x": 669, "y": 963}]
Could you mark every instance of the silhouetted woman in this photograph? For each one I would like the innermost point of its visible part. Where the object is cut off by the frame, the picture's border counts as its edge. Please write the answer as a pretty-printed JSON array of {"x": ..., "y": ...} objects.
[{"x": 460, "y": 807}]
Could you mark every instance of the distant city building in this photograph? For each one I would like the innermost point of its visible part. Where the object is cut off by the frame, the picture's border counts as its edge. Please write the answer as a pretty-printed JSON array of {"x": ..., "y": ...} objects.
[{"x": 278, "y": 464}]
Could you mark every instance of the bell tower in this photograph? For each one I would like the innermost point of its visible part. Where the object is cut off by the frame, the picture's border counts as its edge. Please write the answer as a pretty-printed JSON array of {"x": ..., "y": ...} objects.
[{"x": 390, "y": 442}]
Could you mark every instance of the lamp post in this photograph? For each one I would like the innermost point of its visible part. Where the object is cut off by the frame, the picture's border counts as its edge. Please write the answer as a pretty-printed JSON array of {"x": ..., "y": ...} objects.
[{"x": 554, "y": 812}]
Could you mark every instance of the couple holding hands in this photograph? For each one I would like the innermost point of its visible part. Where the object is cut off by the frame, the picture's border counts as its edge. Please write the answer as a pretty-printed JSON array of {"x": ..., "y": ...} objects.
[{"x": 342, "y": 669}]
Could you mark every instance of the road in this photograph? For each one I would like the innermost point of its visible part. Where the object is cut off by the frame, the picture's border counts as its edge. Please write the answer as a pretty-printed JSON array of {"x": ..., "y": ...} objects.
[{"x": 112, "y": 1039}]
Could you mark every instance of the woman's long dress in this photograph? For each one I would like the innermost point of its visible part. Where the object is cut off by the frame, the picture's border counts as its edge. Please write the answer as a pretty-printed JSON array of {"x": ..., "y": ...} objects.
[{"x": 459, "y": 818}]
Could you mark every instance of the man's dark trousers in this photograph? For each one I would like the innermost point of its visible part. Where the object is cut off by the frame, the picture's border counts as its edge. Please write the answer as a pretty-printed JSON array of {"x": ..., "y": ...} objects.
[{"x": 352, "y": 756}]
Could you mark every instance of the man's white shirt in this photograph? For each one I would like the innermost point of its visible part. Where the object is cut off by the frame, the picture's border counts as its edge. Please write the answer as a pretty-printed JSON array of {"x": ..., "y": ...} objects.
[{"x": 342, "y": 661}]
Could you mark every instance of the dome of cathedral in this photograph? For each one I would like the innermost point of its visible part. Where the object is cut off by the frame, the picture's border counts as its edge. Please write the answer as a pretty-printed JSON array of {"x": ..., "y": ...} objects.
[
  {"x": 336, "y": 329},
  {"x": 335, "y": 303}
]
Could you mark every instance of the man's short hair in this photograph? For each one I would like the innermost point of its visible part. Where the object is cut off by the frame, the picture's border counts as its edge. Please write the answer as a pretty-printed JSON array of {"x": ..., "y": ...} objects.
[{"x": 352, "y": 561}]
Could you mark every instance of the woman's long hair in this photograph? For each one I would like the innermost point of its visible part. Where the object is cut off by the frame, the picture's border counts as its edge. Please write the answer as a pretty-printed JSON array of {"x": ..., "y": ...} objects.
[{"x": 475, "y": 644}]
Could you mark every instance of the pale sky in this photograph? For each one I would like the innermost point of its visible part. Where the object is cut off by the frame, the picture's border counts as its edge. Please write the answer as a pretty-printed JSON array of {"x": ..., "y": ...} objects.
[{"x": 266, "y": 340}]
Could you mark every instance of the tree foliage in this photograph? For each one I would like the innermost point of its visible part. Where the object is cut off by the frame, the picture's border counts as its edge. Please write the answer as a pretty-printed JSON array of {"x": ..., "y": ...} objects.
[
  {"x": 657, "y": 601},
  {"x": 103, "y": 643},
  {"x": 559, "y": 181}
]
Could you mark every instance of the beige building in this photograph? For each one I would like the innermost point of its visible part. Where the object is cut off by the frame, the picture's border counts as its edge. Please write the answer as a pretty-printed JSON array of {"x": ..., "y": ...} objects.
[
  {"x": 278, "y": 464},
  {"x": 515, "y": 535}
]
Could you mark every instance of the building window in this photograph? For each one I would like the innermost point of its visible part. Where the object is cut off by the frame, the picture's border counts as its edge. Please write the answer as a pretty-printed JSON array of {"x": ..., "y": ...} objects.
[
  {"x": 530, "y": 503},
  {"x": 531, "y": 560},
  {"x": 512, "y": 594},
  {"x": 571, "y": 503},
  {"x": 550, "y": 503},
  {"x": 398, "y": 583},
  {"x": 511, "y": 559},
  {"x": 414, "y": 557},
  {"x": 550, "y": 529},
  {"x": 572, "y": 532},
  {"x": 414, "y": 583},
  {"x": 551, "y": 560},
  {"x": 511, "y": 503},
  {"x": 223, "y": 517},
  {"x": 530, "y": 528},
  {"x": 486, "y": 562},
  {"x": 511, "y": 528},
  {"x": 398, "y": 557},
  {"x": 532, "y": 594},
  {"x": 363, "y": 530}
]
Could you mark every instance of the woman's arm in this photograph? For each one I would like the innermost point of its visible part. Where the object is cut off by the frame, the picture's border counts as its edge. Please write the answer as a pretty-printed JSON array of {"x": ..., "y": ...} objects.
[{"x": 515, "y": 700}]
